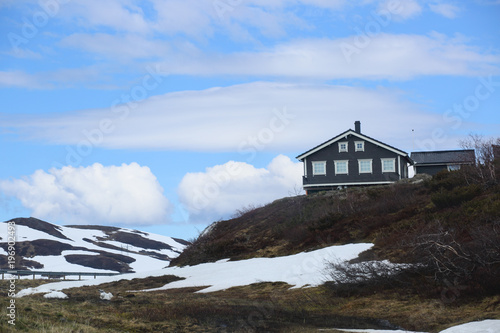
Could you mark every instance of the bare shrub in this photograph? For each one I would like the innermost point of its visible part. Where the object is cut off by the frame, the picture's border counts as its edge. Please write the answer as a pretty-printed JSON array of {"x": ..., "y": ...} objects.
[
  {"x": 486, "y": 170},
  {"x": 354, "y": 277},
  {"x": 468, "y": 257},
  {"x": 244, "y": 210}
]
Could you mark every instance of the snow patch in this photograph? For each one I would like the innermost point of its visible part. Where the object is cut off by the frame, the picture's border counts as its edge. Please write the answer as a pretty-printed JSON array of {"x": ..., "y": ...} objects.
[
  {"x": 105, "y": 296},
  {"x": 368, "y": 331},
  {"x": 56, "y": 294},
  {"x": 485, "y": 326}
]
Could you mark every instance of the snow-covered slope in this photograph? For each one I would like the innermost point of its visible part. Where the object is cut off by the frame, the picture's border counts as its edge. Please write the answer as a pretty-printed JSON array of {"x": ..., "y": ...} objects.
[
  {"x": 44, "y": 246},
  {"x": 299, "y": 270}
]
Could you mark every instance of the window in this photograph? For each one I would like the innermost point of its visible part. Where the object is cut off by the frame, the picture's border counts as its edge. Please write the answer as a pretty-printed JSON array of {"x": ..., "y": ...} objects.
[
  {"x": 454, "y": 167},
  {"x": 359, "y": 146},
  {"x": 319, "y": 168},
  {"x": 341, "y": 167},
  {"x": 342, "y": 147},
  {"x": 388, "y": 165},
  {"x": 365, "y": 166}
]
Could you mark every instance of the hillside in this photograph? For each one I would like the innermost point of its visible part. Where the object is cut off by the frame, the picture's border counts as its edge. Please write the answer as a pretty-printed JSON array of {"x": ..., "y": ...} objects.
[
  {"x": 302, "y": 223},
  {"x": 447, "y": 224},
  {"x": 44, "y": 246}
]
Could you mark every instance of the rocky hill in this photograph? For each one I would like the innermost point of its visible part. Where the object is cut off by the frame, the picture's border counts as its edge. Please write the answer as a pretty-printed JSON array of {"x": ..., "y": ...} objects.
[{"x": 44, "y": 246}]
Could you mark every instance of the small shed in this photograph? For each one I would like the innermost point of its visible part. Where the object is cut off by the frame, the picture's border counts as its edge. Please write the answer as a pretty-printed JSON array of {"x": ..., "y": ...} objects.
[{"x": 432, "y": 162}]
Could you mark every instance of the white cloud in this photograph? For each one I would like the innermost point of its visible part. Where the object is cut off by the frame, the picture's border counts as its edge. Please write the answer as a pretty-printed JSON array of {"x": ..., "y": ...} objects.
[
  {"x": 182, "y": 36},
  {"x": 119, "y": 15},
  {"x": 122, "y": 47},
  {"x": 189, "y": 17},
  {"x": 402, "y": 10},
  {"x": 364, "y": 56},
  {"x": 445, "y": 9},
  {"x": 126, "y": 194},
  {"x": 367, "y": 56},
  {"x": 20, "y": 79},
  {"x": 223, "y": 189},
  {"x": 248, "y": 118},
  {"x": 196, "y": 19}
]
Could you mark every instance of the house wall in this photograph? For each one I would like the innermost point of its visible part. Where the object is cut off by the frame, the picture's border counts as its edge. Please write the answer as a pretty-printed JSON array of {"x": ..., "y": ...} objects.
[
  {"x": 430, "y": 169},
  {"x": 371, "y": 151}
]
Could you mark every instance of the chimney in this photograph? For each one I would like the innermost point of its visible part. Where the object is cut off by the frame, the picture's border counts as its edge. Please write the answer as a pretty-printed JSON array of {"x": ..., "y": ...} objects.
[{"x": 357, "y": 126}]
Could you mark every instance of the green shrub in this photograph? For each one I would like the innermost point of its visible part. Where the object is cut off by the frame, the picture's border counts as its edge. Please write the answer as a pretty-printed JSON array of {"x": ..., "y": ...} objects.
[
  {"x": 456, "y": 196},
  {"x": 447, "y": 180}
]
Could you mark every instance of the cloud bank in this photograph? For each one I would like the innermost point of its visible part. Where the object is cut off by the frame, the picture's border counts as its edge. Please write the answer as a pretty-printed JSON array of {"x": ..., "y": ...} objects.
[
  {"x": 127, "y": 194},
  {"x": 246, "y": 118}
]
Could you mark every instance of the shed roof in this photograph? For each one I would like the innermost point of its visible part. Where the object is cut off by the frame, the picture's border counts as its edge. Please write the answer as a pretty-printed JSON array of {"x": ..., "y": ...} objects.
[{"x": 464, "y": 156}]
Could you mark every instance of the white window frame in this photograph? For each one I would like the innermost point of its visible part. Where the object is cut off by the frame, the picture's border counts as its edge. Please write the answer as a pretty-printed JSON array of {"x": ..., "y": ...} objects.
[
  {"x": 365, "y": 160},
  {"x": 336, "y": 167},
  {"x": 314, "y": 169},
  {"x": 356, "y": 146},
  {"x": 453, "y": 167},
  {"x": 346, "y": 147},
  {"x": 393, "y": 160}
]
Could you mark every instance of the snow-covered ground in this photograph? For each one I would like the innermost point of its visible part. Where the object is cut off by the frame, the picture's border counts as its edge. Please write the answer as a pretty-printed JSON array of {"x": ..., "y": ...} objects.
[
  {"x": 366, "y": 331},
  {"x": 299, "y": 270},
  {"x": 485, "y": 326}
]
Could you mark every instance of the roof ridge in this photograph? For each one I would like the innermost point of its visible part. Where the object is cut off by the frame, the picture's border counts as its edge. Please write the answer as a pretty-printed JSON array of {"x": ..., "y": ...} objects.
[
  {"x": 352, "y": 132},
  {"x": 441, "y": 151}
]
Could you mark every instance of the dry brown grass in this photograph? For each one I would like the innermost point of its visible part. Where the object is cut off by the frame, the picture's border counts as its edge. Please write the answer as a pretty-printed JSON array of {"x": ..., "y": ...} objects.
[{"x": 262, "y": 307}]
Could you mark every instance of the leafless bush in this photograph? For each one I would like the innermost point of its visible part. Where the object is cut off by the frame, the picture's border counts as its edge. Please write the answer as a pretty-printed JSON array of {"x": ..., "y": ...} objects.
[
  {"x": 244, "y": 210},
  {"x": 350, "y": 277},
  {"x": 486, "y": 169},
  {"x": 467, "y": 257}
]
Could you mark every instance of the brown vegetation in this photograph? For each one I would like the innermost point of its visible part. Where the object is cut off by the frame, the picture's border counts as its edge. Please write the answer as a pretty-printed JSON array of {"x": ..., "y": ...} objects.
[
  {"x": 262, "y": 307},
  {"x": 445, "y": 230}
]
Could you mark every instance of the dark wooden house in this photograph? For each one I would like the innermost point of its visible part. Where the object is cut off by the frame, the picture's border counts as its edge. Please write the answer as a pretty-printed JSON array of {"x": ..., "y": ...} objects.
[
  {"x": 352, "y": 159},
  {"x": 432, "y": 162}
]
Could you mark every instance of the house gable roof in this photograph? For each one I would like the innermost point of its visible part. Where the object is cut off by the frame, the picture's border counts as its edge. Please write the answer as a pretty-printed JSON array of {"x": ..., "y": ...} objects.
[
  {"x": 444, "y": 156},
  {"x": 359, "y": 135}
]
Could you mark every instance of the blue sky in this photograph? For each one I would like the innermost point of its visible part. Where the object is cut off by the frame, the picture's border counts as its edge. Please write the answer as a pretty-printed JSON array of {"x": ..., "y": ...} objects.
[{"x": 167, "y": 115}]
